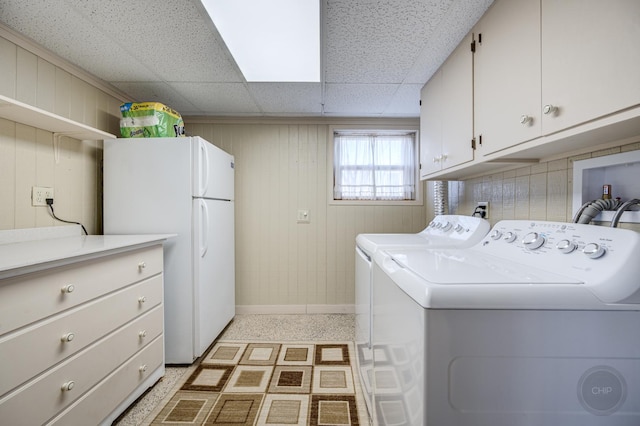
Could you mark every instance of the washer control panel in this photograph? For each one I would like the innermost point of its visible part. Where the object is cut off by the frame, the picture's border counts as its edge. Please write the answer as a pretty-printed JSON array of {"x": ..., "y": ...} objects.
[{"x": 597, "y": 255}]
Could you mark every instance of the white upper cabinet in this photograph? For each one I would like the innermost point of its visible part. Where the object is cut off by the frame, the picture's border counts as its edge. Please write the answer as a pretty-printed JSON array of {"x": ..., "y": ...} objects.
[
  {"x": 507, "y": 75},
  {"x": 543, "y": 66},
  {"x": 446, "y": 115},
  {"x": 590, "y": 59},
  {"x": 431, "y": 126}
]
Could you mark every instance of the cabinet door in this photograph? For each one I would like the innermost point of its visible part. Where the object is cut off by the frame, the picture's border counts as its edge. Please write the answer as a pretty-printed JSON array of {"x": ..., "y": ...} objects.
[
  {"x": 507, "y": 75},
  {"x": 457, "y": 106},
  {"x": 590, "y": 59},
  {"x": 431, "y": 126}
]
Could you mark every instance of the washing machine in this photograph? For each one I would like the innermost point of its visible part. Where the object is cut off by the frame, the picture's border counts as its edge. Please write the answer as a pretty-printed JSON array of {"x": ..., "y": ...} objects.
[
  {"x": 537, "y": 324},
  {"x": 442, "y": 231}
]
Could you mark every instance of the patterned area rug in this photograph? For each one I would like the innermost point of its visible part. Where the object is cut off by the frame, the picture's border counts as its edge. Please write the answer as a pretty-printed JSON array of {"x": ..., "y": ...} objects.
[{"x": 267, "y": 383}]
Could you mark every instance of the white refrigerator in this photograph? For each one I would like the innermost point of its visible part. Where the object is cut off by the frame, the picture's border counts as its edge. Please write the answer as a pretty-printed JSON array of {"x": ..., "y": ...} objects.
[{"x": 181, "y": 186}]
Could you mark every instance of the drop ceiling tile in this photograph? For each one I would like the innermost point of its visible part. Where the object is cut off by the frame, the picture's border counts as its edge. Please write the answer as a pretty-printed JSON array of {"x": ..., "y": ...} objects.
[
  {"x": 174, "y": 39},
  {"x": 157, "y": 92},
  {"x": 218, "y": 98},
  {"x": 405, "y": 101},
  {"x": 377, "y": 41},
  {"x": 358, "y": 99},
  {"x": 288, "y": 98},
  {"x": 455, "y": 25}
]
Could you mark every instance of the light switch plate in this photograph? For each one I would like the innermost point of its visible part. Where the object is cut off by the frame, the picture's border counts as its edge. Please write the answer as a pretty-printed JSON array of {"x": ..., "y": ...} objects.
[{"x": 303, "y": 216}]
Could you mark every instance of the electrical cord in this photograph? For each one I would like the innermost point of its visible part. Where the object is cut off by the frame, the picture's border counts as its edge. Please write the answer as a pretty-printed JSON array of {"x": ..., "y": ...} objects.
[
  {"x": 50, "y": 204},
  {"x": 480, "y": 211}
]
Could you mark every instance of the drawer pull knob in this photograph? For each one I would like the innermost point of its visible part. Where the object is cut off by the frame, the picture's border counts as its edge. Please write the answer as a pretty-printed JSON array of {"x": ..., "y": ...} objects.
[
  {"x": 143, "y": 368},
  {"x": 142, "y": 299},
  {"x": 68, "y": 288},
  {"x": 143, "y": 334},
  {"x": 141, "y": 266},
  {"x": 525, "y": 119},
  {"x": 67, "y": 337},
  {"x": 68, "y": 386}
]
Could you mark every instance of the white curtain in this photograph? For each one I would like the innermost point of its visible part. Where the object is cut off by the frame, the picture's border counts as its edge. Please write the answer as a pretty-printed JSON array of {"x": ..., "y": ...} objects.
[{"x": 374, "y": 166}]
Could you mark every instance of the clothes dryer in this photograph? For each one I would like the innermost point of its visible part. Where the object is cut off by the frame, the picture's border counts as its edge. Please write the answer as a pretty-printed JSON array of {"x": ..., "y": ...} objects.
[
  {"x": 442, "y": 231},
  {"x": 535, "y": 325}
]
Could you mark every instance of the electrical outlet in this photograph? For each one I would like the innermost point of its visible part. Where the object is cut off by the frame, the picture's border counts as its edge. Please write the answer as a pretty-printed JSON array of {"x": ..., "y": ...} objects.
[
  {"x": 484, "y": 205},
  {"x": 39, "y": 195}
]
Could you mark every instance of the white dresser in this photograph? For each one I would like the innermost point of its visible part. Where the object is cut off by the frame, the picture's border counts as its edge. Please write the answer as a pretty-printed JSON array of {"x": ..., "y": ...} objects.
[{"x": 81, "y": 326}]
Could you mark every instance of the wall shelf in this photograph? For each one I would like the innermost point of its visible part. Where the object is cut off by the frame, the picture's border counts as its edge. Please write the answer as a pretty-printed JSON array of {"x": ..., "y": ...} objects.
[{"x": 20, "y": 112}]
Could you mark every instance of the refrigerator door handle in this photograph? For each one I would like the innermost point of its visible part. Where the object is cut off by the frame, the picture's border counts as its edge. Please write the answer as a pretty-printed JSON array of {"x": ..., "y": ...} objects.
[
  {"x": 204, "y": 169},
  {"x": 204, "y": 228}
]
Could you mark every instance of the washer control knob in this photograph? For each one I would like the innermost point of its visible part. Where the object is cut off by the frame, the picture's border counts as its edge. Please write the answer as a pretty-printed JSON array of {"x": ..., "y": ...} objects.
[
  {"x": 510, "y": 237},
  {"x": 593, "y": 250},
  {"x": 566, "y": 246},
  {"x": 446, "y": 226},
  {"x": 533, "y": 241},
  {"x": 495, "y": 235},
  {"x": 459, "y": 229}
]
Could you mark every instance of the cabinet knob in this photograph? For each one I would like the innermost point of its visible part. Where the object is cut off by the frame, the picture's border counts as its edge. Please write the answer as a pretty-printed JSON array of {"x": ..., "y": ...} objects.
[
  {"x": 142, "y": 299},
  {"x": 67, "y": 386},
  {"x": 436, "y": 159},
  {"x": 525, "y": 119},
  {"x": 67, "y": 337},
  {"x": 68, "y": 288},
  {"x": 141, "y": 266},
  {"x": 143, "y": 368},
  {"x": 444, "y": 157},
  {"x": 549, "y": 109},
  {"x": 142, "y": 334}
]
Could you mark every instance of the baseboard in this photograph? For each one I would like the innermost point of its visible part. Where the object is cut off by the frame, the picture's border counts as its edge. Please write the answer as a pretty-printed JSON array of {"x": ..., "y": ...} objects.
[{"x": 295, "y": 309}]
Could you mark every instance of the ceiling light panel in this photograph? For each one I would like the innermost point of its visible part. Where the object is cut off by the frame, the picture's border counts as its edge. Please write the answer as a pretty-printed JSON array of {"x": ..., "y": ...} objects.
[{"x": 271, "y": 41}]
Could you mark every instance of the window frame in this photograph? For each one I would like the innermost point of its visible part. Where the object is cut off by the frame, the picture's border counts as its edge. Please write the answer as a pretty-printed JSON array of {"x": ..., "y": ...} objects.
[{"x": 419, "y": 201}]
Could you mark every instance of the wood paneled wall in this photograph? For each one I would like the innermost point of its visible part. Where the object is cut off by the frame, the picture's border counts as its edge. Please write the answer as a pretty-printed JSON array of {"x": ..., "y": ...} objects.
[
  {"x": 27, "y": 154},
  {"x": 280, "y": 263}
]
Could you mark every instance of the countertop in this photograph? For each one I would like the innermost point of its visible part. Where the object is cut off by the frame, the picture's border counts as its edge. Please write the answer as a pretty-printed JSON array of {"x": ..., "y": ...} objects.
[{"x": 20, "y": 257}]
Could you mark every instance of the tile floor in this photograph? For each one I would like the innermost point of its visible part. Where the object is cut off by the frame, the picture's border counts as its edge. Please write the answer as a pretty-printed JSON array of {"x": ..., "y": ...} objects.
[{"x": 317, "y": 327}]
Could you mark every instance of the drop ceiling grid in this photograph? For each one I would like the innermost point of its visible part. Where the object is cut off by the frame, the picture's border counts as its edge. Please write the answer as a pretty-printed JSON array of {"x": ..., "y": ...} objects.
[{"x": 378, "y": 53}]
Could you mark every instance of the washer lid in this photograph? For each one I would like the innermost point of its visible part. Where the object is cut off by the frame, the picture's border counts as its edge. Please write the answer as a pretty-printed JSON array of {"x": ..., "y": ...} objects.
[
  {"x": 467, "y": 267},
  {"x": 465, "y": 279}
]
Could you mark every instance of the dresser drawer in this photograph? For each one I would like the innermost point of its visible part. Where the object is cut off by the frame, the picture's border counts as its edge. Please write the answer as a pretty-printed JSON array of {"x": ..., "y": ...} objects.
[
  {"x": 30, "y": 297},
  {"x": 59, "y": 337},
  {"x": 60, "y": 386},
  {"x": 100, "y": 401}
]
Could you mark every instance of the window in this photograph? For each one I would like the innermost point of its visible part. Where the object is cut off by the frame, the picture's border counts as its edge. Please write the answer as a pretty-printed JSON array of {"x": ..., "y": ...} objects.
[{"x": 374, "y": 165}]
